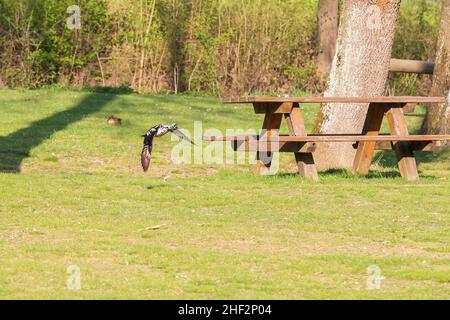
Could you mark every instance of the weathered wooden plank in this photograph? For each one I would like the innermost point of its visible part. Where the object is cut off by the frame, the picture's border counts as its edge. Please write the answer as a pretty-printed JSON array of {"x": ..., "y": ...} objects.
[
  {"x": 390, "y": 99},
  {"x": 334, "y": 138},
  {"x": 366, "y": 149},
  {"x": 231, "y": 138},
  {"x": 296, "y": 127},
  {"x": 411, "y": 66},
  {"x": 405, "y": 155},
  {"x": 266, "y": 146},
  {"x": 271, "y": 127},
  {"x": 425, "y": 146},
  {"x": 272, "y": 107},
  {"x": 409, "y": 107}
]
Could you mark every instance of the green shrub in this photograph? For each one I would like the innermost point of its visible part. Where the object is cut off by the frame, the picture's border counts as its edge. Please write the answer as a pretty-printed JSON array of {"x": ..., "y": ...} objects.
[
  {"x": 416, "y": 37},
  {"x": 201, "y": 46}
]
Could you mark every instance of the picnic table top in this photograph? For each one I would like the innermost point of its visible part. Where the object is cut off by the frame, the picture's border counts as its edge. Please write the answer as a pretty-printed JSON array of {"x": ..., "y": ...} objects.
[
  {"x": 390, "y": 99},
  {"x": 330, "y": 138}
]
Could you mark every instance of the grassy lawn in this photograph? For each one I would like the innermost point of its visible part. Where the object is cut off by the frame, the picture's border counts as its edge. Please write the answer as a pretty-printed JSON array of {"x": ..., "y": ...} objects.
[{"x": 210, "y": 231}]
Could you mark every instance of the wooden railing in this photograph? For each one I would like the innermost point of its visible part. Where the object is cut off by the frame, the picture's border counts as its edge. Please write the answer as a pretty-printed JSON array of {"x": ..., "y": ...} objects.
[{"x": 411, "y": 66}]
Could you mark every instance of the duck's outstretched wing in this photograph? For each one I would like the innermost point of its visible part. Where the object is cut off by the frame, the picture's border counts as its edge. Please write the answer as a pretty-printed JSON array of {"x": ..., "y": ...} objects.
[
  {"x": 146, "y": 157},
  {"x": 158, "y": 131},
  {"x": 183, "y": 136}
]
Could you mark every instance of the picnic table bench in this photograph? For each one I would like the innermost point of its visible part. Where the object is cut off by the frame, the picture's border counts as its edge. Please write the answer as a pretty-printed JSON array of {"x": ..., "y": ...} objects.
[{"x": 303, "y": 145}]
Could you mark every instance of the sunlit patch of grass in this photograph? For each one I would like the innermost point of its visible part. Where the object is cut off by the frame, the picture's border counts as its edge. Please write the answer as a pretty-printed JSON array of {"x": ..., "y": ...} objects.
[{"x": 208, "y": 231}]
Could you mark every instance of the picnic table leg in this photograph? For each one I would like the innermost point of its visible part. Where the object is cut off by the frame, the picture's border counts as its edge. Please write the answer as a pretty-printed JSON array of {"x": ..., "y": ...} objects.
[
  {"x": 405, "y": 156},
  {"x": 366, "y": 149},
  {"x": 271, "y": 127},
  {"x": 296, "y": 127}
]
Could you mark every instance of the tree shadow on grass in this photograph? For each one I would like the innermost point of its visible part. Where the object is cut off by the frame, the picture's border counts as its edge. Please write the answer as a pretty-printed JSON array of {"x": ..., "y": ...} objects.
[
  {"x": 389, "y": 172},
  {"x": 388, "y": 158},
  {"x": 16, "y": 147},
  {"x": 348, "y": 174},
  {"x": 283, "y": 175}
]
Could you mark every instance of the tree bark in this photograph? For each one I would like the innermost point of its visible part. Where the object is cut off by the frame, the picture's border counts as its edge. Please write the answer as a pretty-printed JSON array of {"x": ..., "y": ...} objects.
[
  {"x": 437, "y": 120},
  {"x": 327, "y": 21},
  {"x": 360, "y": 68}
]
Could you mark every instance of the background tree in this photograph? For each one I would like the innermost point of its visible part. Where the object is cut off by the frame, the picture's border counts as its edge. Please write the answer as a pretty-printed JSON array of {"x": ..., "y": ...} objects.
[
  {"x": 437, "y": 120},
  {"x": 360, "y": 68},
  {"x": 327, "y": 21}
]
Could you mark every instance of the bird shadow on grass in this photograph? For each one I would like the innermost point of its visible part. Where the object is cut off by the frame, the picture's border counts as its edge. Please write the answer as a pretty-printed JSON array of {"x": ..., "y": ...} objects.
[
  {"x": 157, "y": 186},
  {"x": 16, "y": 147}
]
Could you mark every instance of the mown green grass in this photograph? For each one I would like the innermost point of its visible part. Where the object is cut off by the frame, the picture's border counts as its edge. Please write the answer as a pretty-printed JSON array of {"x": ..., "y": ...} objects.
[{"x": 210, "y": 231}]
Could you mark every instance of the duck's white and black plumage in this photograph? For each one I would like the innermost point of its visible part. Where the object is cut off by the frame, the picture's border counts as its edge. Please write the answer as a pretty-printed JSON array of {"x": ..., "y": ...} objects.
[{"x": 158, "y": 131}]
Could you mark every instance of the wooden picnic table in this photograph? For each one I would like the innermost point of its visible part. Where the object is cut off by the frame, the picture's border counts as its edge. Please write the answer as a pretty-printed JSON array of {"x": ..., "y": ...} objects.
[{"x": 303, "y": 145}]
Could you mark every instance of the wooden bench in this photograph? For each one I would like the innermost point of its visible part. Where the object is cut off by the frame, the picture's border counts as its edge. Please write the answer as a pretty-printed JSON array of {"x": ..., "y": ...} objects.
[{"x": 304, "y": 145}]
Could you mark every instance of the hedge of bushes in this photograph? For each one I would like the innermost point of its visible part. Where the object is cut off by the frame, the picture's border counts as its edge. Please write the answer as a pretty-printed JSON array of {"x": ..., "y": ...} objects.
[{"x": 208, "y": 46}]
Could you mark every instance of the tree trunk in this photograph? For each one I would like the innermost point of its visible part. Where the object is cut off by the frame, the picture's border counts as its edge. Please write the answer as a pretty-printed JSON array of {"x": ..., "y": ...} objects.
[
  {"x": 327, "y": 21},
  {"x": 437, "y": 120},
  {"x": 360, "y": 68}
]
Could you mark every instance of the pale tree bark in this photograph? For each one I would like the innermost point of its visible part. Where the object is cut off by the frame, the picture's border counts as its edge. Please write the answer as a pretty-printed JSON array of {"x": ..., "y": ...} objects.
[
  {"x": 360, "y": 68},
  {"x": 437, "y": 120},
  {"x": 327, "y": 23}
]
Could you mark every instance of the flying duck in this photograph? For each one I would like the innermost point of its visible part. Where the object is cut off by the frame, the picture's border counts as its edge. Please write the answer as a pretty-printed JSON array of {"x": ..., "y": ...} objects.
[{"x": 158, "y": 131}]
